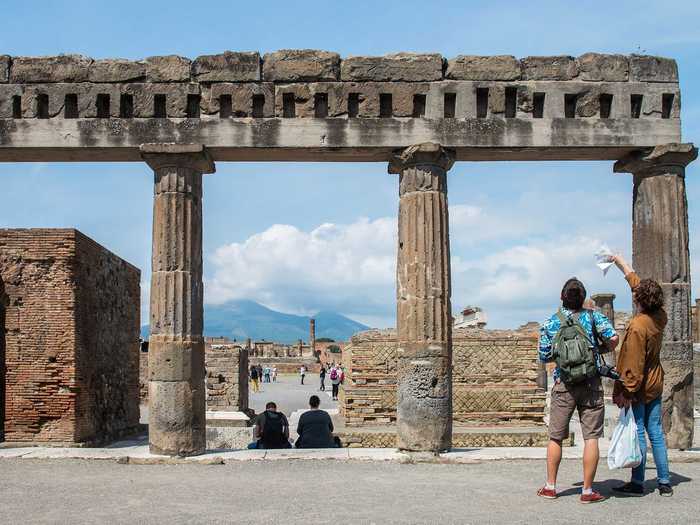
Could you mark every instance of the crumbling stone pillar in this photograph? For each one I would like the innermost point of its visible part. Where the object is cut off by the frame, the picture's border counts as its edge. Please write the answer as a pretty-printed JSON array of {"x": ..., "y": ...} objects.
[
  {"x": 424, "y": 315},
  {"x": 177, "y": 394},
  {"x": 605, "y": 301},
  {"x": 660, "y": 252}
]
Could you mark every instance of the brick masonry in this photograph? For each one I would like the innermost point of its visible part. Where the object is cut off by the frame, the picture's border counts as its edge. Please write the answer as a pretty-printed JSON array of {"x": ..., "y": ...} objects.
[
  {"x": 227, "y": 377},
  {"x": 71, "y": 338},
  {"x": 494, "y": 378}
]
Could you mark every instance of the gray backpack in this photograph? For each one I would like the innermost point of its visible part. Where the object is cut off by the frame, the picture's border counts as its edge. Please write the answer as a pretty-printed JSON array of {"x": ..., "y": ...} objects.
[{"x": 572, "y": 351}]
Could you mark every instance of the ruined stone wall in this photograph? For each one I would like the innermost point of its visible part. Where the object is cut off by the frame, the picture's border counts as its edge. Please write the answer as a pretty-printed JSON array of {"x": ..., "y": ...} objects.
[
  {"x": 494, "y": 378},
  {"x": 288, "y": 365},
  {"x": 72, "y": 337},
  {"x": 227, "y": 377},
  {"x": 309, "y": 83}
]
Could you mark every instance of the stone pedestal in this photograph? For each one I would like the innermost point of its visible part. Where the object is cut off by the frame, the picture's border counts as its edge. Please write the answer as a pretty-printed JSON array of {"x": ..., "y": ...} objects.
[
  {"x": 660, "y": 252},
  {"x": 176, "y": 350},
  {"x": 424, "y": 315}
]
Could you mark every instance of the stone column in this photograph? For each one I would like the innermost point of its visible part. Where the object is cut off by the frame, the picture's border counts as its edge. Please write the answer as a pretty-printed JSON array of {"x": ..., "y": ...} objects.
[
  {"x": 312, "y": 336},
  {"x": 177, "y": 394},
  {"x": 660, "y": 252},
  {"x": 605, "y": 301},
  {"x": 424, "y": 314},
  {"x": 696, "y": 322}
]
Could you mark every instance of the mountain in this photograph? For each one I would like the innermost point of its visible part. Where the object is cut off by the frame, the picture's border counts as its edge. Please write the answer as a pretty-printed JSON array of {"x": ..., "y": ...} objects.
[{"x": 243, "y": 318}]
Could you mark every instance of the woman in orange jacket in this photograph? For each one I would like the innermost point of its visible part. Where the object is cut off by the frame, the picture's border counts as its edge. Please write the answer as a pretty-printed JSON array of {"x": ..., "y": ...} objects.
[{"x": 642, "y": 376}]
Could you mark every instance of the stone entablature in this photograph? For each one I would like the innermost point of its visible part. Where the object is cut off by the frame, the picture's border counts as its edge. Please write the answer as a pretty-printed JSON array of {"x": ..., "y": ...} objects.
[
  {"x": 464, "y": 102},
  {"x": 494, "y": 378}
]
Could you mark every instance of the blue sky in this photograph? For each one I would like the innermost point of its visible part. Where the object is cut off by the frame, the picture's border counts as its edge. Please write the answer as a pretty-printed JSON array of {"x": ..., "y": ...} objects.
[{"x": 306, "y": 237}]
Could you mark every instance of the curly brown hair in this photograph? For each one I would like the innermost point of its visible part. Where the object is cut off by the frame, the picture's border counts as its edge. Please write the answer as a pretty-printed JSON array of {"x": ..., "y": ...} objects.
[{"x": 649, "y": 295}]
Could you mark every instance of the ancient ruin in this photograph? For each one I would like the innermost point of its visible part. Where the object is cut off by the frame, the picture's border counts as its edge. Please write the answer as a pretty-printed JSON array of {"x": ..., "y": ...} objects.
[
  {"x": 417, "y": 112},
  {"x": 70, "y": 334}
]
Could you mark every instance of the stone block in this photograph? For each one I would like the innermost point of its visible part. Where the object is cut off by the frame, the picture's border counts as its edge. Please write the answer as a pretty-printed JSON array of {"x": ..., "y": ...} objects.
[
  {"x": 175, "y": 97},
  {"x": 601, "y": 67},
  {"x": 227, "y": 67},
  {"x": 175, "y": 360},
  {"x": 241, "y": 98},
  {"x": 168, "y": 68},
  {"x": 549, "y": 68},
  {"x": 116, "y": 70},
  {"x": 177, "y": 422},
  {"x": 646, "y": 68},
  {"x": 4, "y": 68},
  {"x": 300, "y": 65},
  {"x": 61, "y": 68},
  {"x": 473, "y": 67},
  {"x": 399, "y": 67}
]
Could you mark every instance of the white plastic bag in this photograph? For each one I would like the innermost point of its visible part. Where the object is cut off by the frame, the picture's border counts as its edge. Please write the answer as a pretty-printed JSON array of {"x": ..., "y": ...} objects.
[
  {"x": 624, "y": 449},
  {"x": 603, "y": 258}
]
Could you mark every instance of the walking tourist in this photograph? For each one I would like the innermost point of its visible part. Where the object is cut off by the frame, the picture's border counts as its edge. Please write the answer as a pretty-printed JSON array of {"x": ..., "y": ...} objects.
[
  {"x": 302, "y": 373},
  {"x": 335, "y": 381},
  {"x": 322, "y": 375},
  {"x": 274, "y": 374},
  {"x": 254, "y": 378},
  {"x": 260, "y": 373},
  {"x": 271, "y": 429},
  {"x": 266, "y": 371},
  {"x": 642, "y": 377},
  {"x": 569, "y": 338},
  {"x": 315, "y": 428}
]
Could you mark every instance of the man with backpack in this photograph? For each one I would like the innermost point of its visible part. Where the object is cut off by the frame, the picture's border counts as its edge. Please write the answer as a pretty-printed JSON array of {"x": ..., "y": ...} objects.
[
  {"x": 574, "y": 338},
  {"x": 271, "y": 429}
]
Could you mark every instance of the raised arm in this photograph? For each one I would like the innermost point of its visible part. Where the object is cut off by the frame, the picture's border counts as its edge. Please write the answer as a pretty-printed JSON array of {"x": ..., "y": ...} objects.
[{"x": 627, "y": 270}]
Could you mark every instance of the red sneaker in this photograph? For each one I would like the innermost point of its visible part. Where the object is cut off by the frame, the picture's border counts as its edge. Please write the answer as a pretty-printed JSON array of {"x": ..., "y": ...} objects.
[
  {"x": 546, "y": 493},
  {"x": 593, "y": 497}
]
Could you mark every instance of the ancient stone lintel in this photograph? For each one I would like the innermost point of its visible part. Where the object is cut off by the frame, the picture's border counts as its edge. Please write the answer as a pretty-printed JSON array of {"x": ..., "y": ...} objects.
[
  {"x": 668, "y": 158},
  {"x": 427, "y": 154},
  {"x": 192, "y": 156}
]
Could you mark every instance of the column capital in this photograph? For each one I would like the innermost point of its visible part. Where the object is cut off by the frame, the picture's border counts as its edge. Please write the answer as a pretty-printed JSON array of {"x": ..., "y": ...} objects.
[
  {"x": 665, "y": 158},
  {"x": 164, "y": 155},
  {"x": 428, "y": 153},
  {"x": 603, "y": 297}
]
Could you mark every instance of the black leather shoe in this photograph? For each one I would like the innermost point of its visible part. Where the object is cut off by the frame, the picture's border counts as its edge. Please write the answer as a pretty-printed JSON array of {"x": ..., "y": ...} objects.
[
  {"x": 665, "y": 490},
  {"x": 631, "y": 489}
]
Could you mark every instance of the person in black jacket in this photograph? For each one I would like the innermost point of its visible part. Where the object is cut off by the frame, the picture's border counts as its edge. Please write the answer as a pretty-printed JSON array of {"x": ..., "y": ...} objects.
[
  {"x": 315, "y": 428},
  {"x": 271, "y": 429}
]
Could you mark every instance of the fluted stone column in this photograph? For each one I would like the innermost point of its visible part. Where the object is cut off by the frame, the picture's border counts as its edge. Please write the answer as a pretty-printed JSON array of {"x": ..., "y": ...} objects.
[
  {"x": 424, "y": 314},
  {"x": 660, "y": 252},
  {"x": 177, "y": 394}
]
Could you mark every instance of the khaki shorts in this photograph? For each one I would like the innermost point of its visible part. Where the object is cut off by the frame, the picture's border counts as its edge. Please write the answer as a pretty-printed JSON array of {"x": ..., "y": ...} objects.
[{"x": 587, "y": 398}]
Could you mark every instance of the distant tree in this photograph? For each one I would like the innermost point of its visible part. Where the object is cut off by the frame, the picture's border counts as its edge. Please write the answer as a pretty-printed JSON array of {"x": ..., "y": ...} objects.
[
  {"x": 325, "y": 340},
  {"x": 334, "y": 349}
]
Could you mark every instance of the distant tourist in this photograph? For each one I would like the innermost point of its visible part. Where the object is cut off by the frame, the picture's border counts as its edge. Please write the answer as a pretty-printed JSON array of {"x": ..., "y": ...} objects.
[
  {"x": 266, "y": 371},
  {"x": 260, "y": 372},
  {"x": 271, "y": 429},
  {"x": 335, "y": 381},
  {"x": 254, "y": 378},
  {"x": 569, "y": 338},
  {"x": 642, "y": 377},
  {"x": 274, "y": 374},
  {"x": 315, "y": 428},
  {"x": 322, "y": 375},
  {"x": 302, "y": 373}
]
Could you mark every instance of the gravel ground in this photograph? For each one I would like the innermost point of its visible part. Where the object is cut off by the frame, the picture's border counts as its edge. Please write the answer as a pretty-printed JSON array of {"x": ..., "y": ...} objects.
[{"x": 73, "y": 491}]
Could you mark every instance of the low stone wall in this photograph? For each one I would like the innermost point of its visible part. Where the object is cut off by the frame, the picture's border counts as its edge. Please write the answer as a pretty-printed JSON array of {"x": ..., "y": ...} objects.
[
  {"x": 227, "y": 377},
  {"x": 288, "y": 365},
  {"x": 494, "y": 378}
]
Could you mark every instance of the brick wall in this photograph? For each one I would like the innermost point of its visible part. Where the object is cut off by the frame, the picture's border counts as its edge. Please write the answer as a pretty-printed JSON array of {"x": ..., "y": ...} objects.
[
  {"x": 227, "y": 377},
  {"x": 494, "y": 378},
  {"x": 71, "y": 344}
]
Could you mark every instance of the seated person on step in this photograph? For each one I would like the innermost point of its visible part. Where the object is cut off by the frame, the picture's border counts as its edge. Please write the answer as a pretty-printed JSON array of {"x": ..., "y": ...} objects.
[
  {"x": 315, "y": 428},
  {"x": 271, "y": 429}
]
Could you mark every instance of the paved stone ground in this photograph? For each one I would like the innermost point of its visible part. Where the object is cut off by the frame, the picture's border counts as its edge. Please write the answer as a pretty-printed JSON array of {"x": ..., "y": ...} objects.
[
  {"x": 290, "y": 395},
  {"x": 290, "y": 492}
]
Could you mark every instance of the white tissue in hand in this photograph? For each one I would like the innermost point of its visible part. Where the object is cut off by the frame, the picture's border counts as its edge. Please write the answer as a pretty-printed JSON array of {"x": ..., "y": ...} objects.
[{"x": 603, "y": 259}]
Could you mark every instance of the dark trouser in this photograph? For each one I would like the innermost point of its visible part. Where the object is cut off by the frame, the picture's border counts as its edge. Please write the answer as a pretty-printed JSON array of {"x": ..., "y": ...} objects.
[
  {"x": 323, "y": 384},
  {"x": 335, "y": 391},
  {"x": 302, "y": 379}
]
